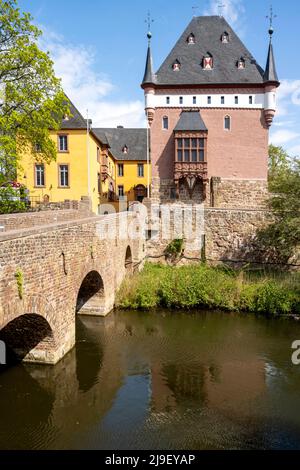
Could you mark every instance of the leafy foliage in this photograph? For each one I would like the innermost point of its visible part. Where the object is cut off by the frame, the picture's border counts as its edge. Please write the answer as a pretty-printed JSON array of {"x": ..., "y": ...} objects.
[
  {"x": 200, "y": 286},
  {"x": 174, "y": 249},
  {"x": 31, "y": 98},
  {"x": 11, "y": 200},
  {"x": 281, "y": 239}
]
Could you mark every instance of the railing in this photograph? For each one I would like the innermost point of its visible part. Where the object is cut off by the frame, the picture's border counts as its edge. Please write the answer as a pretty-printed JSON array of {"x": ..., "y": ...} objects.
[{"x": 14, "y": 204}]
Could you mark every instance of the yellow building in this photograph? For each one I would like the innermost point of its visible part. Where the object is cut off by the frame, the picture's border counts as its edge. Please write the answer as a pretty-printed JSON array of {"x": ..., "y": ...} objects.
[
  {"x": 102, "y": 164},
  {"x": 128, "y": 147}
]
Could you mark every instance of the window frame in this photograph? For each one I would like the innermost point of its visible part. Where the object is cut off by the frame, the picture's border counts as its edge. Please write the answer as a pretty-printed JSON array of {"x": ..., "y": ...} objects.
[
  {"x": 60, "y": 174},
  {"x": 167, "y": 100},
  {"x": 119, "y": 187},
  {"x": 58, "y": 143},
  {"x": 209, "y": 100},
  {"x": 236, "y": 99},
  {"x": 185, "y": 144},
  {"x": 35, "y": 175},
  {"x": 139, "y": 166},
  {"x": 165, "y": 119},
  {"x": 250, "y": 99},
  {"x": 120, "y": 165},
  {"x": 227, "y": 117}
]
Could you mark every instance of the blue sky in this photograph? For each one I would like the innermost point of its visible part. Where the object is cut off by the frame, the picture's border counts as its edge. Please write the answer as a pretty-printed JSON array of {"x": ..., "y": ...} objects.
[{"x": 99, "y": 51}]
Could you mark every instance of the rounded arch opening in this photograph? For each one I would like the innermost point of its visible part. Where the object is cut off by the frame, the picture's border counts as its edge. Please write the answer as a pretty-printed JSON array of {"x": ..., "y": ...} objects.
[
  {"x": 128, "y": 260},
  {"x": 140, "y": 192},
  {"x": 28, "y": 337},
  {"x": 91, "y": 295}
]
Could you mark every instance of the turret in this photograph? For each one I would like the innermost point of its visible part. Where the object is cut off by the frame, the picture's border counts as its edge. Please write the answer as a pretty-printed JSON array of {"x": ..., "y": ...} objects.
[
  {"x": 271, "y": 83},
  {"x": 148, "y": 83}
]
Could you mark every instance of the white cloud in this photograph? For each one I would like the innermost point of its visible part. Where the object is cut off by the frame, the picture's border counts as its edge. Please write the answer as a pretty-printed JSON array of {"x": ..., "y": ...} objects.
[
  {"x": 87, "y": 88},
  {"x": 283, "y": 136},
  {"x": 233, "y": 11},
  {"x": 287, "y": 95},
  {"x": 295, "y": 151}
]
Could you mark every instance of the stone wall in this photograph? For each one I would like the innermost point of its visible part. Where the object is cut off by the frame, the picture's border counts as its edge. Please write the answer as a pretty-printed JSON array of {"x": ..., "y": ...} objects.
[
  {"x": 238, "y": 193},
  {"x": 242, "y": 194},
  {"x": 48, "y": 214},
  {"x": 43, "y": 268},
  {"x": 214, "y": 234}
]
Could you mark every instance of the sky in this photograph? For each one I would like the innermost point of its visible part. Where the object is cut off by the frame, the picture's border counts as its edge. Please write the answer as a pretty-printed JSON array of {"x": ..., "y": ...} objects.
[{"x": 99, "y": 51}]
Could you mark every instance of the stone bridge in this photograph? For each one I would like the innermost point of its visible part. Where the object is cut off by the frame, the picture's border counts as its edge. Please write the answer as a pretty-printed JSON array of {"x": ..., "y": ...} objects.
[{"x": 49, "y": 273}]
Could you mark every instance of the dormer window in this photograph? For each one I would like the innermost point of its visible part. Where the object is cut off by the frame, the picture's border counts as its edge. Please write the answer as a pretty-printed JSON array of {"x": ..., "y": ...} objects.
[
  {"x": 125, "y": 149},
  {"x": 176, "y": 65},
  {"x": 241, "y": 63},
  {"x": 225, "y": 38},
  {"x": 191, "y": 39},
  {"x": 207, "y": 62}
]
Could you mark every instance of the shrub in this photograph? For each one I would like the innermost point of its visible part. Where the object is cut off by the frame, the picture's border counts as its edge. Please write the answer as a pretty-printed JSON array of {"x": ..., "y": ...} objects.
[
  {"x": 201, "y": 286},
  {"x": 10, "y": 200}
]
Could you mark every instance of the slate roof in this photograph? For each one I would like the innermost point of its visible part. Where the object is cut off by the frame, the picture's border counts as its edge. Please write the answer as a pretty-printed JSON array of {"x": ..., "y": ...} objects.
[
  {"x": 149, "y": 75},
  {"x": 75, "y": 121},
  {"x": 270, "y": 73},
  {"x": 208, "y": 31},
  {"x": 190, "y": 121},
  {"x": 118, "y": 138}
]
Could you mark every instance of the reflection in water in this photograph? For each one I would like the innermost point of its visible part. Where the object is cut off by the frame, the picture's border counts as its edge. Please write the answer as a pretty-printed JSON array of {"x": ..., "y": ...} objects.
[
  {"x": 160, "y": 381},
  {"x": 89, "y": 356}
]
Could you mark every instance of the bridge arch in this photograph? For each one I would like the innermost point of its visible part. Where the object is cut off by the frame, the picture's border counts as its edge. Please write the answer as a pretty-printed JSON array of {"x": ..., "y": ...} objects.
[
  {"x": 91, "y": 295},
  {"x": 128, "y": 260},
  {"x": 28, "y": 337}
]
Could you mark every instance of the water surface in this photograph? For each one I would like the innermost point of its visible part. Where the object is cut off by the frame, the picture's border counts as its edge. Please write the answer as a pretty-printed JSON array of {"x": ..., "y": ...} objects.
[{"x": 162, "y": 380}]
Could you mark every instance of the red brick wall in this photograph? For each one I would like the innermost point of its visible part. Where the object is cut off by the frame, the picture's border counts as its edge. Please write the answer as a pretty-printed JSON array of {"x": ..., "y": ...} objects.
[{"x": 237, "y": 154}]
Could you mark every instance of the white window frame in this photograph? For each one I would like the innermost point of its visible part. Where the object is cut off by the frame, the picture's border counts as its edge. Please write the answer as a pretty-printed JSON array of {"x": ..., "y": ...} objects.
[{"x": 63, "y": 175}]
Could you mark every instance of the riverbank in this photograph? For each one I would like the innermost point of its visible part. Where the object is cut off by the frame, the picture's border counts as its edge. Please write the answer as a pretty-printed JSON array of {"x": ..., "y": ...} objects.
[{"x": 200, "y": 286}]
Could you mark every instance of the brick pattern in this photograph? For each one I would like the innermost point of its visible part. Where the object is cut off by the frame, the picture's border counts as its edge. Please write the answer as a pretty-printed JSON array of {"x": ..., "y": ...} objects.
[
  {"x": 54, "y": 260},
  {"x": 229, "y": 233}
]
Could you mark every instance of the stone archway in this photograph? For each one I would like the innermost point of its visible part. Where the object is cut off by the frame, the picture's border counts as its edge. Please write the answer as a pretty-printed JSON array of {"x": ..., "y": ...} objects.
[
  {"x": 128, "y": 260},
  {"x": 29, "y": 338},
  {"x": 91, "y": 296},
  {"x": 140, "y": 192}
]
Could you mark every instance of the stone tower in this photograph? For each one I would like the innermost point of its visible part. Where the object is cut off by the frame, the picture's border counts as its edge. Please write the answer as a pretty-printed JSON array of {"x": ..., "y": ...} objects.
[{"x": 209, "y": 108}]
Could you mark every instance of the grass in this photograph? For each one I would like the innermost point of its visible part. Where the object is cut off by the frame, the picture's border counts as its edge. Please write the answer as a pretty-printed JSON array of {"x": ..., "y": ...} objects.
[{"x": 200, "y": 286}]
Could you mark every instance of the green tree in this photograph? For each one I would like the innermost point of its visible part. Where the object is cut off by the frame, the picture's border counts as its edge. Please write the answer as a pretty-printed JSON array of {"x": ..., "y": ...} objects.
[
  {"x": 281, "y": 239},
  {"x": 279, "y": 164},
  {"x": 31, "y": 98}
]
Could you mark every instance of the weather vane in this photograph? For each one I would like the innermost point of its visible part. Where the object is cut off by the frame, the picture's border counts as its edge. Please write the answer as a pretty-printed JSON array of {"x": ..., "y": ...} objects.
[
  {"x": 220, "y": 8},
  {"x": 149, "y": 21},
  {"x": 271, "y": 17},
  {"x": 194, "y": 10}
]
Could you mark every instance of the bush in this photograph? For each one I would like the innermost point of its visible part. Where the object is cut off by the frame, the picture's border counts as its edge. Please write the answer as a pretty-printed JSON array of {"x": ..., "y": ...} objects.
[
  {"x": 199, "y": 286},
  {"x": 10, "y": 200}
]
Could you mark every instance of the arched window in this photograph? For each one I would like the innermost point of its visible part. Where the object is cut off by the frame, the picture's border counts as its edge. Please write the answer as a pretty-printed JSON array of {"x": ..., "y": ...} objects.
[
  {"x": 176, "y": 65},
  {"x": 225, "y": 37},
  {"x": 207, "y": 61},
  {"x": 165, "y": 122},
  {"x": 191, "y": 39},
  {"x": 241, "y": 64},
  {"x": 227, "y": 123}
]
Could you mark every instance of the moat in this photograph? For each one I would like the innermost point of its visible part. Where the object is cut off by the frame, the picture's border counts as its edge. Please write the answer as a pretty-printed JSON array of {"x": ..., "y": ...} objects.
[{"x": 164, "y": 380}]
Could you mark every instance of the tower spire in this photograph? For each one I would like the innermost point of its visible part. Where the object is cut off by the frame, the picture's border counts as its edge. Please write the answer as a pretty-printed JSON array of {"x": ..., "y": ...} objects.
[
  {"x": 149, "y": 75},
  {"x": 270, "y": 74}
]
